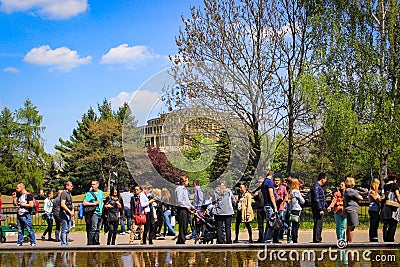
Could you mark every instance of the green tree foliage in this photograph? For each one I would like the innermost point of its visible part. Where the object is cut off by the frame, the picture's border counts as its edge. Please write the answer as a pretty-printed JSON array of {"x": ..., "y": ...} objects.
[
  {"x": 359, "y": 63},
  {"x": 95, "y": 151},
  {"x": 22, "y": 155}
]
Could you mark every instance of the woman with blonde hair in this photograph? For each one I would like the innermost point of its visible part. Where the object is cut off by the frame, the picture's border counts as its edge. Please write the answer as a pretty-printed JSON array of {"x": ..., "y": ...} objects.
[
  {"x": 351, "y": 198},
  {"x": 374, "y": 207},
  {"x": 295, "y": 200},
  {"x": 224, "y": 200},
  {"x": 167, "y": 212}
]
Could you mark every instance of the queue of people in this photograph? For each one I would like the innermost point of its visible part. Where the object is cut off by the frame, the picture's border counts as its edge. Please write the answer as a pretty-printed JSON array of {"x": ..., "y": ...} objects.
[{"x": 150, "y": 210}]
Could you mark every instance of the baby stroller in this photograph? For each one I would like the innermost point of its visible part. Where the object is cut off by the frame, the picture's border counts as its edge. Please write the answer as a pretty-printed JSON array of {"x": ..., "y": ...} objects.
[{"x": 206, "y": 225}]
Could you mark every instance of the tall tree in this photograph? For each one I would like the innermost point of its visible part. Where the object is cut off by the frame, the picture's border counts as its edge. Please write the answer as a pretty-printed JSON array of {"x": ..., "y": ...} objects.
[
  {"x": 259, "y": 50},
  {"x": 360, "y": 58},
  {"x": 95, "y": 151}
]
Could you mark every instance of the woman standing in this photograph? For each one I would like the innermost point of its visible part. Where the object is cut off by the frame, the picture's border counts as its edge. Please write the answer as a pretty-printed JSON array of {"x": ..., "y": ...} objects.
[
  {"x": 145, "y": 206},
  {"x": 224, "y": 200},
  {"x": 374, "y": 206},
  {"x": 166, "y": 200},
  {"x": 351, "y": 198},
  {"x": 113, "y": 207},
  {"x": 245, "y": 212},
  {"x": 48, "y": 214},
  {"x": 340, "y": 217},
  {"x": 390, "y": 215},
  {"x": 296, "y": 200}
]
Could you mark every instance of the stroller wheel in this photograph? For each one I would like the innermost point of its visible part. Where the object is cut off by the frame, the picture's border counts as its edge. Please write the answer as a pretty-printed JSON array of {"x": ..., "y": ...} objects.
[{"x": 27, "y": 239}]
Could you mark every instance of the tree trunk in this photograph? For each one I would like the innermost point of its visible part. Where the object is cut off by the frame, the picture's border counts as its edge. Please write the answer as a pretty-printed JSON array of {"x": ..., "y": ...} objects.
[
  {"x": 384, "y": 164},
  {"x": 290, "y": 131}
]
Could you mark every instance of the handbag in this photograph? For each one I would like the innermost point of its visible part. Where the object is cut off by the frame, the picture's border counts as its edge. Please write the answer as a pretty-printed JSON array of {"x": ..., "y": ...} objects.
[
  {"x": 140, "y": 218},
  {"x": 294, "y": 218},
  {"x": 392, "y": 200},
  {"x": 275, "y": 222},
  {"x": 89, "y": 210}
]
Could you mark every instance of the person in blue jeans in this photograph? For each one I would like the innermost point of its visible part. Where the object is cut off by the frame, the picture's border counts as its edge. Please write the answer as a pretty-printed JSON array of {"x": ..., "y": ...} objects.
[
  {"x": 96, "y": 221},
  {"x": 126, "y": 198},
  {"x": 25, "y": 205},
  {"x": 66, "y": 212},
  {"x": 166, "y": 200},
  {"x": 267, "y": 189}
]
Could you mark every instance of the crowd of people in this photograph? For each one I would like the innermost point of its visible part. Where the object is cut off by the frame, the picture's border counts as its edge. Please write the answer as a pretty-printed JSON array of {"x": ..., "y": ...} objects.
[{"x": 151, "y": 213}]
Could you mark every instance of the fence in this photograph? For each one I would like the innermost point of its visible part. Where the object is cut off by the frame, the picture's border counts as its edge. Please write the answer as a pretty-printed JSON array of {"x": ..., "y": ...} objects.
[{"x": 10, "y": 215}]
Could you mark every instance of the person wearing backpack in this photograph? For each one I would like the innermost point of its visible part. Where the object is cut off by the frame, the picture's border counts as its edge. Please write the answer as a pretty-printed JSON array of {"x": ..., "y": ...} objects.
[{"x": 25, "y": 203}]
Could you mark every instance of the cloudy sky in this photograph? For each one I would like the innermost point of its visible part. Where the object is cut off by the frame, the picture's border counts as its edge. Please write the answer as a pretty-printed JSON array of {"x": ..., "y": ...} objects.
[{"x": 69, "y": 55}]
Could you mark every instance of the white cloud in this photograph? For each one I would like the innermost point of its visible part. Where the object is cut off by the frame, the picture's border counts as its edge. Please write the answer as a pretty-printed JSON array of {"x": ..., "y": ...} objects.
[
  {"x": 11, "y": 70},
  {"x": 144, "y": 104},
  {"x": 129, "y": 56},
  {"x": 63, "y": 58},
  {"x": 120, "y": 99},
  {"x": 53, "y": 9}
]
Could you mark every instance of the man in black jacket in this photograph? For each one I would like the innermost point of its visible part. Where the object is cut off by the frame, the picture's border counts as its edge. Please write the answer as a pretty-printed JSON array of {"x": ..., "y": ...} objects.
[{"x": 318, "y": 206}]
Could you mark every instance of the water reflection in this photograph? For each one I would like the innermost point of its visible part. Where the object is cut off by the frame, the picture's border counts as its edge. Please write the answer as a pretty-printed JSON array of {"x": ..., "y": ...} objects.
[{"x": 241, "y": 258}]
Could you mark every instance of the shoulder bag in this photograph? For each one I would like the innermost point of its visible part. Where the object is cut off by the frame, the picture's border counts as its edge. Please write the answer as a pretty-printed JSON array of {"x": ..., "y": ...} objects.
[
  {"x": 89, "y": 210},
  {"x": 140, "y": 218}
]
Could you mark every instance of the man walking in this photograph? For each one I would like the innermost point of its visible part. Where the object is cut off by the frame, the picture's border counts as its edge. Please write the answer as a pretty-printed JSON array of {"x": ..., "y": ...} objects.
[
  {"x": 183, "y": 203},
  {"x": 66, "y": 212},
  {"x": 25, "y": 205},
  {"x": 95, "y": 198},
  {"x": 318, "y": 206},
  {"x": 267, "y": 189},
  {"x": 126, "y": 198}
]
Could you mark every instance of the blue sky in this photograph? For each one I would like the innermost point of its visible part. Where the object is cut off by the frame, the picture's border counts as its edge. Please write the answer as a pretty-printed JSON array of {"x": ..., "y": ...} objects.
[{"x": 68, "y": 55}]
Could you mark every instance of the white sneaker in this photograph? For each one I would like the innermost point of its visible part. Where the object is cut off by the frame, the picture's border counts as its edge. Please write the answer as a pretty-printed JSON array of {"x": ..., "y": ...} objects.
[
  {"x": 122, "y": 233},
  {"x": 19, "y": 245},
  {"x": 33, "y": 245},
  {"x": 129, "y": 231}
]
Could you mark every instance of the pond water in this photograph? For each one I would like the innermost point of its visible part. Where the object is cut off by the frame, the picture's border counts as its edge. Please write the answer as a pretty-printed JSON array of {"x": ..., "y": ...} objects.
[{"x": 219, "y": 258}]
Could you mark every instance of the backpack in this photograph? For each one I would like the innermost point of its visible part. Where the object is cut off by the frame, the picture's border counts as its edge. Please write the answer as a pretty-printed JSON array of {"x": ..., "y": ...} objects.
[{"x": 35, "y": 208}]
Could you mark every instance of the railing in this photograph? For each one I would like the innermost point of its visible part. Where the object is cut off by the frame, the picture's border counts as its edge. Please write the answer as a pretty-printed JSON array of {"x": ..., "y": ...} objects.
[{"x": 10, "y": 214}]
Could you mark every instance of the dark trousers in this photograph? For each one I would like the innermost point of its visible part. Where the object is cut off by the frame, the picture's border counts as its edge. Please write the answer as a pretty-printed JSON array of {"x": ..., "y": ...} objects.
[
  {"x": 237, "y": 226},
  {"x": 260, "y": 223},
  {"x": 112, "y": 232},
  {"x": 183, "y": 219},
  {"x": 373, "y": 225},
  {"x": 294, "y": 227},
  {"x": 49, "y": 227},
  {"x": 149, "y": 228},
  {"x": 224, "y": 224},
  {"x": 58, "y": 228},
  {"x": 389, "y": 230},
  {"x": 317, "y": 230}
]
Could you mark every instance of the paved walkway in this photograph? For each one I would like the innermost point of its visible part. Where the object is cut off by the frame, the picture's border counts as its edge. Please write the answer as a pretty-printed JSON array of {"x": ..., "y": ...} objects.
[{"x": 305, "y": 238}]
